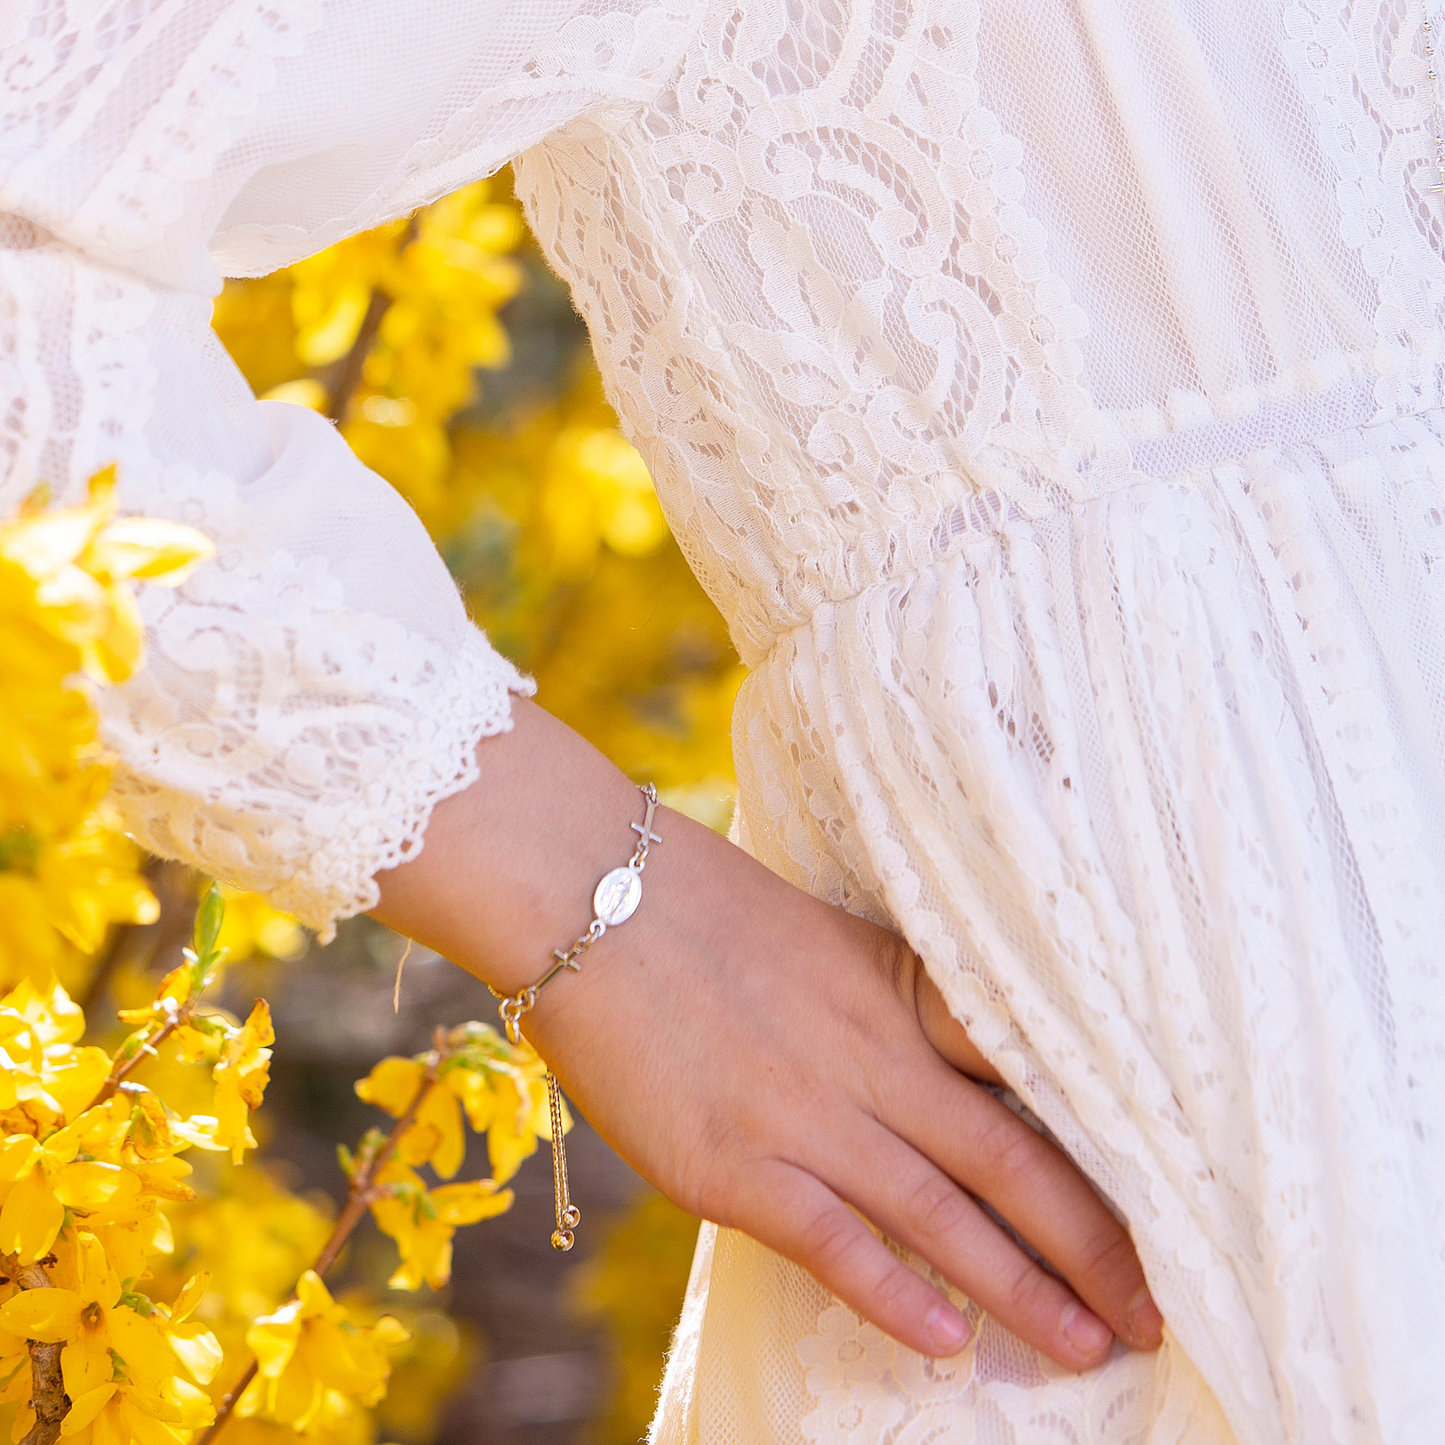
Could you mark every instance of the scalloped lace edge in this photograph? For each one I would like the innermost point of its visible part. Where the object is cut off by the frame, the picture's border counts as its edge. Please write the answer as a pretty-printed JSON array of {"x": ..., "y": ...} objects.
[{"x": 473, "y": 702}]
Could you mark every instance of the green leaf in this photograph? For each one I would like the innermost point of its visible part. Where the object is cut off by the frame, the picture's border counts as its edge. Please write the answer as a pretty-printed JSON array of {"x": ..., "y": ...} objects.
[{"x": 209, "y": 917}]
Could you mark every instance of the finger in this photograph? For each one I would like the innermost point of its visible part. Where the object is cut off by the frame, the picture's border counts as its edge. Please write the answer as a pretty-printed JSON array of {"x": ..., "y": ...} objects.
[
  {"x": 916, "y": 1203},
  {"x": 791, "y": 1212},
  {"x": 1034, "y": 1185}
]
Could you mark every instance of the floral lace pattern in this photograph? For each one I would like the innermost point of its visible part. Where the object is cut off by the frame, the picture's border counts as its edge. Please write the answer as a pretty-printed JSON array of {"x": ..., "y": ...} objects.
[
  {"x": 870, "y": 1390},
  {"x": 305, "y": 801},
  {"x": 1051, "y": 394},
  {"x": 1048, "y": 909}
]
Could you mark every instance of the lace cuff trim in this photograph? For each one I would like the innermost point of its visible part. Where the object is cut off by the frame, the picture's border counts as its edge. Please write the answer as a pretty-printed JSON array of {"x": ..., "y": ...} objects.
[{"x": 387, "y": 823}]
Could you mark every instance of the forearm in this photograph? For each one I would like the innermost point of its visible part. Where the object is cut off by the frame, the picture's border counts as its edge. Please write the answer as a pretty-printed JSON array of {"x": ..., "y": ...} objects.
[
  {"x": 508, "y": 873},
  {"x": 509, "y": 864}
]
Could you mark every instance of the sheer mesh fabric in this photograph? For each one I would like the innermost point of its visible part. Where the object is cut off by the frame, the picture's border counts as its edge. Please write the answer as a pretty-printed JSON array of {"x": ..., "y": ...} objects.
[{"x": 1050, "y": 394}]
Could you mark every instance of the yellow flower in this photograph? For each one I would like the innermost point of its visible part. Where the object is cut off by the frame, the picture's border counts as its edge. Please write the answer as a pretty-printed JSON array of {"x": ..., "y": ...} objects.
[
  {"x": 425, "y": 1372},
  {"x": 254, "y": 1238},
  {"x": 392, "y": 1085},
  {"x": 501, "y": 1089},
  {"x": 15, "y": 1382},
  {"x": 598, "y": 489},
  {"x": 67, "y": 606},
  {"x": 103, "y": 1166},
  {"x": 519, "y": 1116},
  {"x": 309, "y": 1349},
  {"x": 40, "y": 1182},
  {"x": 81, "y": 559},
  {"x": 435, "y": 1134},
  {"x": 43, "y": 1078},
  {"x": 422, "y": 1221},
  {"x": 31, "y": 1215},
  {"x": 113, "y": 1415},
  {"x": 195, "y": 1346},
  {"x": 79, "y": 1167},
  {"x": 120, "y": 1355},
  {"x": 241, "y": 1078}
]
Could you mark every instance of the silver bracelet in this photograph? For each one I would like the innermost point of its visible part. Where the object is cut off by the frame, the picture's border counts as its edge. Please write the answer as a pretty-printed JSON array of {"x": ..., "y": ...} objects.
[{"x": 614, "y": 901}]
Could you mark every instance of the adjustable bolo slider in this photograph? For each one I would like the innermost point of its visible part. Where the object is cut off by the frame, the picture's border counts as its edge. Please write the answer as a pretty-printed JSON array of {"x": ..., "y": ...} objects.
[{"x": 564, "y": 1236}]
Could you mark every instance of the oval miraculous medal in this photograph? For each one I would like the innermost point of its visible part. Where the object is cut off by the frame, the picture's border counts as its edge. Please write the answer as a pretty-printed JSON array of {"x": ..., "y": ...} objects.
[{"x": 617, "y": 896}]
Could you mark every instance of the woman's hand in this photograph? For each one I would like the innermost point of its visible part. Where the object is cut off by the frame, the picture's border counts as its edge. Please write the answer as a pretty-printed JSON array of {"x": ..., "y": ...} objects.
[{"x": 767, "y": 1061}]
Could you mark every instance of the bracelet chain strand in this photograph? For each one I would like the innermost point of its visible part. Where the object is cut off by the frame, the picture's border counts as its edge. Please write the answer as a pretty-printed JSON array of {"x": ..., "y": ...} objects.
[{"x": 614, "y": 901}]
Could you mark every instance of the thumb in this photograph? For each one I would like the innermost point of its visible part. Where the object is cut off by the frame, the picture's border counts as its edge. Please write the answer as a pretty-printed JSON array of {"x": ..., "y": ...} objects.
[{"x": 948, "y": 1037}]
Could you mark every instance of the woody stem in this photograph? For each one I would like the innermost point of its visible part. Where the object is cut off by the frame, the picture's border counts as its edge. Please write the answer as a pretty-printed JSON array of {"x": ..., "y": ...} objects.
[
  {"x": 47, "y": 1387},
  {"x": 123, "y": 1068},
  {"x": 48, "y": 1398},
  {"x": 347, "y": 376}
]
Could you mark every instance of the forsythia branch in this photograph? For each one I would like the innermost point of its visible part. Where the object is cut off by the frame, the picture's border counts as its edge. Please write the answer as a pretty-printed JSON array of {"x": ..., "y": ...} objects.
[
  {"x": 362, "y": 1194},
  {"x": 91, "y": 1155},
  {"x": 47, "y": 1394},
  {"x": 348, "y": 374},
  {"x": 48, "y": 1397},
  {"x": 126, "y": 1065},
  {"x": 203, "y": 958},
  {"x": 363, "y": 1188}
]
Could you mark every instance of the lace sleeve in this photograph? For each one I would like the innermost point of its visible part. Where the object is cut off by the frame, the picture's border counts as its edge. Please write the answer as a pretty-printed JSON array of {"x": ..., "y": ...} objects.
[{"x": 312, "y": 693}]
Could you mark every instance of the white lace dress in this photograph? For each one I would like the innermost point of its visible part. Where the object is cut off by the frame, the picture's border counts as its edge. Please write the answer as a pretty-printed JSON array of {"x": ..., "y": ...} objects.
[{"x": 1050, "y": 393}]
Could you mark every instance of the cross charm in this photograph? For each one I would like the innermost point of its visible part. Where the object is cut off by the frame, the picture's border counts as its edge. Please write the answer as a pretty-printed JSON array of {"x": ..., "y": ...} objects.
[{"x": 645, "y": 836}]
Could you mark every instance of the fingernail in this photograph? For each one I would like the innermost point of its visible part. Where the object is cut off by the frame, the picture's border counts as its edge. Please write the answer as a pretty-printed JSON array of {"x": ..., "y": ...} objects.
[
  {"x": 947, "y": 1329},
  {"x": 1146, "y": 1324},
  {"x": 1087, "y": 1333}
]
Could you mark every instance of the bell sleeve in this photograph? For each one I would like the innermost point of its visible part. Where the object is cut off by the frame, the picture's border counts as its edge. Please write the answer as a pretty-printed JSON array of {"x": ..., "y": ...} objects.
[{"x": 311, "y": 694}]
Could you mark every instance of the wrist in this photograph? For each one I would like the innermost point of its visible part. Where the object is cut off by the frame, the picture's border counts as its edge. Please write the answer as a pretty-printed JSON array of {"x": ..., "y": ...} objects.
[
  {"x": 615, "y": 899},
  {"x": 510, "y": 866}
]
